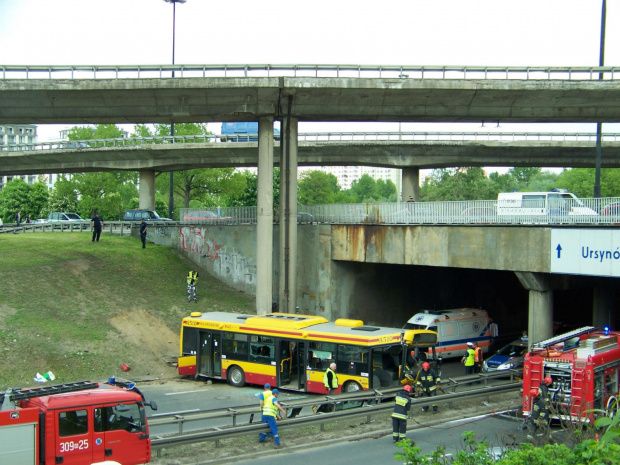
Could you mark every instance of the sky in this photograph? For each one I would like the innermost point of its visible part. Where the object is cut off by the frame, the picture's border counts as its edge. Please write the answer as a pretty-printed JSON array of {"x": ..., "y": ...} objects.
[{"x": 371, "y": 32}]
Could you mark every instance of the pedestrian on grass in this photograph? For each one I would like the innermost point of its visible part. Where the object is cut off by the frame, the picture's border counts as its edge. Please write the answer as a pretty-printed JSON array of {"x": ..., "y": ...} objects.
[
  {"x": 18, "y": 219},
  {"x": 143, "y": 229},
  {"x": 97, "y": 224}
]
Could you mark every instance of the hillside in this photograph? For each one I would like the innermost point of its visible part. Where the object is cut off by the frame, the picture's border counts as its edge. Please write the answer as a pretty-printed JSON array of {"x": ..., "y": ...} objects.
[{"x": 82, "y": 309}]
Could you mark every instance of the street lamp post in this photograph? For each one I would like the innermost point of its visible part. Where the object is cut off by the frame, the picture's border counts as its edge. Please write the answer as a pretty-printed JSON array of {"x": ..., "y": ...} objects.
[
  {"x": 174, "y": 14},
  {"x": 599, "y": 125}
]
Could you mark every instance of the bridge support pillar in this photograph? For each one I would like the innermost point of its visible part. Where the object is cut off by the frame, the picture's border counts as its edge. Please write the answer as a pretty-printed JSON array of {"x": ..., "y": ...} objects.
[
  {"x": 264, "y": 221},
  {"x": 540, "y": 314},
  {"x": 288, "y": 216},
  {"x": 603, "y": 313},
  {"x": 411, "y": 184},
  {"x": 146, "y": 195}
]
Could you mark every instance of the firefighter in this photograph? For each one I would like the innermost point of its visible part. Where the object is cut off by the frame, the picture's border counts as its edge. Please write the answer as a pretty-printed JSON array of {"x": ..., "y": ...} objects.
[
  {"x": 539, "y": 418},
  {"x": 270, "y": 414},
  {"x": 192, "y": 277},
  {"x": 402, "y": 405},
  {"x": 428, "y": 383}
]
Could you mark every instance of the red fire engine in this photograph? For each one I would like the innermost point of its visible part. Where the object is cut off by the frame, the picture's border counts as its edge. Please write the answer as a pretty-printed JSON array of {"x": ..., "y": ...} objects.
[
  {"x": 585, "y": 367},
  {"x": 75, "y": 424}
]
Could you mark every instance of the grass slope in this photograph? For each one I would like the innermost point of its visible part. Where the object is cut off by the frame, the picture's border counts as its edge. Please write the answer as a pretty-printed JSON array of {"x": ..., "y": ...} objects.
[{"x": 81, "y": 309}]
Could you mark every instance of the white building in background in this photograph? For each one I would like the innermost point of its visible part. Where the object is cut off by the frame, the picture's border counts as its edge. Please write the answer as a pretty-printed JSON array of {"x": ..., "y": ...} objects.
[{"x": 347, "y": 174}]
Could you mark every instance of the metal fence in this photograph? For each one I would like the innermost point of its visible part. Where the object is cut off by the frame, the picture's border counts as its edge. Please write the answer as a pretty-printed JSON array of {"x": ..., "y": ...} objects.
[
  {"x": 353, "y": 136},
  {"x": 587, "y": 73},
  {"x": 593, "y": 211}
]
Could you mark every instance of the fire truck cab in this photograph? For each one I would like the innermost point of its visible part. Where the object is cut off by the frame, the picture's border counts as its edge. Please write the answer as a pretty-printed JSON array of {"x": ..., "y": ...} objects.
[
  {"x": 585, "y": 367},
  {"x": 75, "y": 424}
]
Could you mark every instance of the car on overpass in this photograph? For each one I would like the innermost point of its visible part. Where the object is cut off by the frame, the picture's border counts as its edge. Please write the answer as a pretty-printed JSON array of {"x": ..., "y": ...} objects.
[
  {"x": 147, "y": 215},
  {"x": 206, "y": 216}
]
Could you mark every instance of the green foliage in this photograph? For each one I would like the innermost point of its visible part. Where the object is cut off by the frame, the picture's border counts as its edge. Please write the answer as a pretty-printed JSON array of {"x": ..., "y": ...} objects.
[
  {"x": 249, "y": 196},
  {"x": 317, "y": 188},
  {"x": 458, "y": 184},
  {"x": 364, "y": 190},
  {"x": 580, "y": 181},
  {"x": 13, "y": 198}
]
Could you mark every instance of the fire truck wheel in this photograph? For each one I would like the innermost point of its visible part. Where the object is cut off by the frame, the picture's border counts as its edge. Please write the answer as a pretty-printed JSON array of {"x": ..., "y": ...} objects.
[
  {"x": 236, "y": 376},
  {"x": 612, "y": 407}
]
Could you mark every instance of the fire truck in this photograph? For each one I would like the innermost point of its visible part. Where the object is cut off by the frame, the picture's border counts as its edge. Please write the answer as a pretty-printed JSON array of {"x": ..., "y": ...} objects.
[
  {"x": 80, "y": 423},
  {"x": 584, "y": 365}
]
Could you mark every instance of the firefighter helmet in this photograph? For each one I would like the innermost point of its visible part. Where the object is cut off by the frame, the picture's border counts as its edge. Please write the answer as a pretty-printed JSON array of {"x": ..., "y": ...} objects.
[
  {"x": 548, "y": 380},
  {"x": 407, "y": 388},
  {"x": 534, "y": 392},
  {"x": 426, "y": 366}
]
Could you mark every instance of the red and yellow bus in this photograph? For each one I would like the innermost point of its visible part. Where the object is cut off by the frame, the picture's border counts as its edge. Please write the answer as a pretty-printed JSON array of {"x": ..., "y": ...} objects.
[{"x": 293, "y": 351}]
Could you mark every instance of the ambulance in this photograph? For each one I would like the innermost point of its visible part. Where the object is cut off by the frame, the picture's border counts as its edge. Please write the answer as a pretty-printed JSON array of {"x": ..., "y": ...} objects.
[{"x": 455, "y": 328}]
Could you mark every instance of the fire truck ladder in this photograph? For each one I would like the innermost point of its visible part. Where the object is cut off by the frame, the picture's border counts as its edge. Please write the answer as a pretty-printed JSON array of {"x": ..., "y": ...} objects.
[
  {"x": 23, "y": 394},
  {"x": 562, "y": 337}
]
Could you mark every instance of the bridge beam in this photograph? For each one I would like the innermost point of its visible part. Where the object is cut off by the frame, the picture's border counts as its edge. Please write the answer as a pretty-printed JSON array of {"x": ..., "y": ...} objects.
[
  {"x": 540, "y": 305},
  {"x": 264, "y": 223},
  {"x": 411, "y": 183},
  {"x": 288, "y": 217},
  {"x": 146, "y": 196}
]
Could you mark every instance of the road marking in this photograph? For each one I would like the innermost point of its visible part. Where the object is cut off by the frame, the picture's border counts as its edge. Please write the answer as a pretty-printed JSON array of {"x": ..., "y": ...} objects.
[{"x": 184, "y": 392}]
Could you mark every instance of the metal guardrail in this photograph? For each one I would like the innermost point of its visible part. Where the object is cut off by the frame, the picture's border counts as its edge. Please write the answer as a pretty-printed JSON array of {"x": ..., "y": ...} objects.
[
  {"x": 589, "y": 73},
  {"x": 372, "y": 406},
  {"x": 336, "y": 137}
]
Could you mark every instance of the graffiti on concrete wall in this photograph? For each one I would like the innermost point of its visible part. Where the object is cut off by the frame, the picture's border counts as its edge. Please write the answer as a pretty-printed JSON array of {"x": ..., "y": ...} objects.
[
  {"x": 231, "y": 267},
  {"x": 163, "y": 231}
]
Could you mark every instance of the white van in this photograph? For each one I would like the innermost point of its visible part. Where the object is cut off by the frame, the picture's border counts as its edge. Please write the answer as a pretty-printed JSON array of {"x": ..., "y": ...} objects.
[
  {"x": 555, "y": 203},
  {"x": 455, "y": 328}
]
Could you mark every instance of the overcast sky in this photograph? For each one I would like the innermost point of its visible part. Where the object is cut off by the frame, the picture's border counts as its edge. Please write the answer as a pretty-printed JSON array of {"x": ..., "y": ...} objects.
[{"x": 378, "y": 32}]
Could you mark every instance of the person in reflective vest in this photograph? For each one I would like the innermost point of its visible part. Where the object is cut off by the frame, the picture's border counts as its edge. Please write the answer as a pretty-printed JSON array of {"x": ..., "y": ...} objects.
[
  {"x": 477, "y": 358},
  {"x": 402, "y": 404},
  {"x": 270, "y": 412},
  {"x": 468, "y": 359},
  {"x": 264, "y": 395},
  {"x": 330, "y": 379},
  {"x": 192, "y": 277},
  {"x": 428, "y": 382}
]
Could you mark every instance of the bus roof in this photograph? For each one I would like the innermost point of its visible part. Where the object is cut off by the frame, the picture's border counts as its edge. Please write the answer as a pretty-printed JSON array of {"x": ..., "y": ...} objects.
[{"x": 296, "y": 326}]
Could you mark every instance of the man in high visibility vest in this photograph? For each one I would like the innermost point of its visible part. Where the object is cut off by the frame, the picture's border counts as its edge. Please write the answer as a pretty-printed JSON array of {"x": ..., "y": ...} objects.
[
  {"x": 330, "y": 379},
  {"x": 270, "y": 412},
  {"x": 192, "y": 277},
  {"x": 263, "y": 395},
  {"x": 468, "y": 359},
  {"x": 402, "y": 404}
]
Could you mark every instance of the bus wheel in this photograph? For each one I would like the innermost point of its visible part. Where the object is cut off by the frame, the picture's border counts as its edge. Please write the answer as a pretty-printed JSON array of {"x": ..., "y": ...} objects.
[
  {"x": 351, "y": 386},
  {"x": 236, "y": 376}
]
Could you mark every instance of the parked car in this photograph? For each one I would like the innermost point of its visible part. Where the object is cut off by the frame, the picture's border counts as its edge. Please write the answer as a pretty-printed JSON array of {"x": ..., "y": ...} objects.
[
  {"x": 40, "y": 221},
  {"x": 509, "y": 356},
  {"x": 206, "y": 216},
  {"x": 76, "y": 144},
  {"x": 612, "y": 209},
  {"x": 67, "y": 218},
  {"x": 138, "y": 215}
]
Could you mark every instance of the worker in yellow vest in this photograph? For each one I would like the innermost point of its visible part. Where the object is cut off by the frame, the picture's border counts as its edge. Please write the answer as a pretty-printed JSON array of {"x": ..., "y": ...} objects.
[
  {"x": 270, "y": 412},
  {"x": 264, "y": 395},
  {"x": 192, "y": 277},
  {"x": 468, "y": 359},
  {"x": 330, "y": 379}
]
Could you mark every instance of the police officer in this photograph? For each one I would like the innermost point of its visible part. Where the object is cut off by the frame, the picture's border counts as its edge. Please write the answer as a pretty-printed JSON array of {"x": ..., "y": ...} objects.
[
  {"x": 402, "y": 404},
  {"x": 330, "y": 379},
  {"x": 428, "y": 381},
  {"x": 270, "y": 412},
  {"x": 192, "y": 276},
  {"x": 468, "y": 359}
]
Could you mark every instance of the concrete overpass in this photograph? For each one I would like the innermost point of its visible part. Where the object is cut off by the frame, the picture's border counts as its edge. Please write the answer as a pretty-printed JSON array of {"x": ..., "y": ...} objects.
[
  {"x": 117, "y": 94},
  {"x": 545, "y": 151}
]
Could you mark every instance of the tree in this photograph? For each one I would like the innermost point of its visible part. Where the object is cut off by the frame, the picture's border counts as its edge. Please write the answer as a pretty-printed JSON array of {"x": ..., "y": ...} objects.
[
  {"x": 317, "y": 188},
  {"x": 13, "y": 198},
  {"x": 364, "y": 189},
  {"x": 522, "y": 175},
  {"x": 37, "y": 200},
  {"x": 580, "y": 181},
  {"x": 63, "y": 198},
  {"x": 386, "y": 190},
  {"x": 458, "y": 184}
]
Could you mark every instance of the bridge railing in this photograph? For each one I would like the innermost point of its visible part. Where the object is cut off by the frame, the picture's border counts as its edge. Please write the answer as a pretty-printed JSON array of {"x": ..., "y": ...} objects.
[
  {"x": 588, "y": 73},
  {"x": 589, "y": 211},
  {"x": 347, "y": 136}
]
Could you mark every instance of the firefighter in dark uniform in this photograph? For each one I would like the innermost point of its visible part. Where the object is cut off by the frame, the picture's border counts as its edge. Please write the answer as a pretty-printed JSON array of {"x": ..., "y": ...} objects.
[
  {"x": 539, "y": 417},
  {"x": 192, "y": 276},
  {"x": 402, "y": 405},
  {"x": 428, "y": 383}
]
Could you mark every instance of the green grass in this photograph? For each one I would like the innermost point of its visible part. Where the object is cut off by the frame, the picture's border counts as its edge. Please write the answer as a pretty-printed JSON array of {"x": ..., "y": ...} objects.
[{"x": 59, "y": 292}]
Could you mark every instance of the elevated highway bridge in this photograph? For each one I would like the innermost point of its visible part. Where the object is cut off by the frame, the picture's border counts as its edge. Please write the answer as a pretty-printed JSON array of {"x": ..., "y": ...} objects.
[{"x": 293, "y": 93}]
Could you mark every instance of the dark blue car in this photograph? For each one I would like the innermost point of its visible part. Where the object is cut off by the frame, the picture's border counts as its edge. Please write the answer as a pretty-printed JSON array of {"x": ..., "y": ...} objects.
[{"x": 509, "y": 356}]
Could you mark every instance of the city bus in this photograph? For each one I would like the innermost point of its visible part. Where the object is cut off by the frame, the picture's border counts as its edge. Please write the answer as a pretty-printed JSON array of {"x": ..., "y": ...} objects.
[{"x": 293, "y": 351}]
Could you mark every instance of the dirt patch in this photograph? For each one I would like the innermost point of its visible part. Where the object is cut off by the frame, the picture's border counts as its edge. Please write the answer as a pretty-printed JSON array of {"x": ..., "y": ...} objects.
[
  {"x": 77, "y": 267},
  {"x": 157, "y": 343}
]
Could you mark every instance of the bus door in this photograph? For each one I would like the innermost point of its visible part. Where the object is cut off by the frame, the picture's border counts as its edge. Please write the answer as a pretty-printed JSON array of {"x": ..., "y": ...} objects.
[
  {"x": 291, "y": 364},
  {"x": 210, "y": 354}
]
